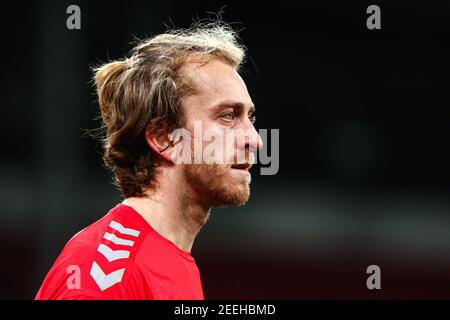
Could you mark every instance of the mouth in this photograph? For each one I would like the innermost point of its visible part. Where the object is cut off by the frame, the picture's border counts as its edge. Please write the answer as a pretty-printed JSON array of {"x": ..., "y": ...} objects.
[{"x": 242, "y": 166}]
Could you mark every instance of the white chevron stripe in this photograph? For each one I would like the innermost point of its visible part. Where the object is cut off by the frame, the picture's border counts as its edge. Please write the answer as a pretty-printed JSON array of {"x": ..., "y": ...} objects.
[
  {"x": 111, "y": 254},
  {"x": 117, "y": 226},
  {"x": 116, "y": 240},
  {"x": 104, "y": 281}
]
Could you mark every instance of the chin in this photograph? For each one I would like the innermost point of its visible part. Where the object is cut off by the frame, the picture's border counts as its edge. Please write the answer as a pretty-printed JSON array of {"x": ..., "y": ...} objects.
[
  {"x": 216, "y": 187},
  {"x": 227, "y": 194},
  {"x": 237, "y": 197}
]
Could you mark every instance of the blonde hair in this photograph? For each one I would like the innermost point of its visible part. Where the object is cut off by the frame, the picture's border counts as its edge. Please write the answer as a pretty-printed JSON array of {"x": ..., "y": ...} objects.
[{"x": 146, "y": 91}]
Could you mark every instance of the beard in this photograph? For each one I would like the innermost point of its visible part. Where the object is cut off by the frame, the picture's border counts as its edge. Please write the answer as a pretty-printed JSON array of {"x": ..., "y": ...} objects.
[{"x": 217, "y": 185}]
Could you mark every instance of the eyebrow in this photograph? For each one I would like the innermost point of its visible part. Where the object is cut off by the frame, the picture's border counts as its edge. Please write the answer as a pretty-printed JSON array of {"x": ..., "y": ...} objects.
[{"x": 234, "y": 105}]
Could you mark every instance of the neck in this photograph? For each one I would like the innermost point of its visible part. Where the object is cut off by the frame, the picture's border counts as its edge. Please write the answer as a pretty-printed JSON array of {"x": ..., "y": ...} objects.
[{"x": 172, "y": 212}]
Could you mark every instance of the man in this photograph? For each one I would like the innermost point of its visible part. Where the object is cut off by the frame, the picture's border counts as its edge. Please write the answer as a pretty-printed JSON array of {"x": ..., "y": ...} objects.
[{"x": 141, "y": 248}]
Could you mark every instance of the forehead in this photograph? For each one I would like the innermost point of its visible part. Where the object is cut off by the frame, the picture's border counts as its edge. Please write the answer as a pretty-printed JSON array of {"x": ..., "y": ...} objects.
[{"x": 215, "y": 81}]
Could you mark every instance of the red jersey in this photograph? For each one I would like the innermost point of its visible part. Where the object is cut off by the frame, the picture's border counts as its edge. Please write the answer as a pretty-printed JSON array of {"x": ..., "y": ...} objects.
[{"x": 122, "y": 257}]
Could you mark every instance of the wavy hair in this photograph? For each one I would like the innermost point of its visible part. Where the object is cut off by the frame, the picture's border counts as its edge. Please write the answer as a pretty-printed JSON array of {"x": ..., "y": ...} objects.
[{"x": 146, "y": 90}]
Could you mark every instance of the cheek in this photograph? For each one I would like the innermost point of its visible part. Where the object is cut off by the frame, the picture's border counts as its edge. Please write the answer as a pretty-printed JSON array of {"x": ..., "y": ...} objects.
[
  {"x": 214, "y": 146},
  {"x": 211, "y": 142}
]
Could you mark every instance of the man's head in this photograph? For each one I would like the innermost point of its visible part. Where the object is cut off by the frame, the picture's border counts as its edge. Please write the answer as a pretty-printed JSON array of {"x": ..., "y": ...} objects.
[{"x": 182, "y": 79}]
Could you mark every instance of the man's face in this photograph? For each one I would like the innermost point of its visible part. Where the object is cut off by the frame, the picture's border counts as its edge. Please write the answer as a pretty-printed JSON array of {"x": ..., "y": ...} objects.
[{"x": 223, "y": 111}]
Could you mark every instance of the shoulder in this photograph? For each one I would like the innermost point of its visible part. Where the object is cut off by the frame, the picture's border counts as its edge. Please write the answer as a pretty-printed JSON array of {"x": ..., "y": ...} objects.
[{"x": 100, "y": 261}]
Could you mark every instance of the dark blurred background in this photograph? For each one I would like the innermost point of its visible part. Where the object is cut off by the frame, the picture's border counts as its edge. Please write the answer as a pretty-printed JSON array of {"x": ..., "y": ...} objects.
[{"x": 364, "y": 131}]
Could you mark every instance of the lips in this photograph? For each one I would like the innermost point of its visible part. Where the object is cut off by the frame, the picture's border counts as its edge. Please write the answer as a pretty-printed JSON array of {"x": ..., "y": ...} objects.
[{"x": 242, "y": 166}]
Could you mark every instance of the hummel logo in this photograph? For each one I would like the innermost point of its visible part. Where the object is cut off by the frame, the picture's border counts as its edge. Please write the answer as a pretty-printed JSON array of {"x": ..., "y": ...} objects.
[
  {"x": 117, "y": 226},
  {"x": 104, "y": 281},
  {"x": 116, "y": 240},
  {"x": 111, "y": 254}
]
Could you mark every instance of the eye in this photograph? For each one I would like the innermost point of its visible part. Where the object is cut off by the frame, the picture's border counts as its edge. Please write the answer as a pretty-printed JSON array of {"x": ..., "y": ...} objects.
[
  {"x": 229, "y": 116},
  {"x": 252, "y": 117}
]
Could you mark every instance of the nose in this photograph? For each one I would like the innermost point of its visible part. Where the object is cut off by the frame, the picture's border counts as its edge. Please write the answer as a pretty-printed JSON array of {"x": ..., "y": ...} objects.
[{"x": 251, "y": 139}]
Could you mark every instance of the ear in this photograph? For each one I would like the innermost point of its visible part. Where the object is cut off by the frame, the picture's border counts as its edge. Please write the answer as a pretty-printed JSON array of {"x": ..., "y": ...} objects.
[{"x": 160, "y": 144}]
